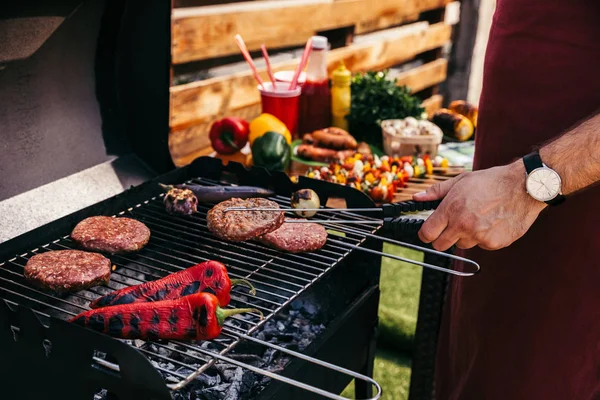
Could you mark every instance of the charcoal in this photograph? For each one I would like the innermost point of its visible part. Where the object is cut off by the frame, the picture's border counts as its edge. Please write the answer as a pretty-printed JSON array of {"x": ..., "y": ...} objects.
[
  {"x": 295, "y": 330},
  {"x": 215, "y": 393},
  {"x": 269, "y": 356},
  {"x": 236, "y": 387},
  {"x": 248, "y": 358}
]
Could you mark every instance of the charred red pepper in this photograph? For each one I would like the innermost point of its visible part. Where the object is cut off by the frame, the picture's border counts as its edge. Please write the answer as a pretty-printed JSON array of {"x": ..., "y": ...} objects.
[
  {"x": 229, "y": 135},
  {"x": 209, "y": 276},
  {"x": 194, "y": 317}
]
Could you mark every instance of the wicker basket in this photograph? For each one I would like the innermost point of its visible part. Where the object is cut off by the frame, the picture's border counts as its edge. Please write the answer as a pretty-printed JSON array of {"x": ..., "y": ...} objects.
[{"x": 398, "y": 145}]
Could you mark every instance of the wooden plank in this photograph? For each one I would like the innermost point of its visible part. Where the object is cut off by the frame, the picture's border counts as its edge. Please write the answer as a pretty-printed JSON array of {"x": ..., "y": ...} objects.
[
  {"x": 204, "y": 101},
  {"x": 424, "y": 76},
  {"x": 205, "y": 32},
  {"x": 432, "y": 104}
]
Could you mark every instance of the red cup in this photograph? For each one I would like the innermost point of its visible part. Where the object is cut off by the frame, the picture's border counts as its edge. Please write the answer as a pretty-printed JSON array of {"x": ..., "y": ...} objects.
[
  {"x": 287, "y": 76},
  {"x": 282, "y": 103}
]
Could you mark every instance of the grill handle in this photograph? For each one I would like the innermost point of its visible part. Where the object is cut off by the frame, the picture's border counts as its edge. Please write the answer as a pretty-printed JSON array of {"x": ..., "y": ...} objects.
[{"x": 396, "y": 209}]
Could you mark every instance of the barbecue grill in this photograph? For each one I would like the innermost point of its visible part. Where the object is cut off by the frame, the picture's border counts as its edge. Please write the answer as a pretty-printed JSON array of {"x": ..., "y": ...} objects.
[
  {"x": 178, "y": 242},
  {"x": 106, "y": 99}
]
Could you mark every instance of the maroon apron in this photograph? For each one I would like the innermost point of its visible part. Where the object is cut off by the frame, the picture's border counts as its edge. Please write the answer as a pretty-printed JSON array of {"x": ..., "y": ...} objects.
[{"x": 528, "y": 326}]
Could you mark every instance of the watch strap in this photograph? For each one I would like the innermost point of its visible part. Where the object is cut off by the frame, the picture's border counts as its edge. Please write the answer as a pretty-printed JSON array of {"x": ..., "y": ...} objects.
[
  {"x": 533, "y": 161},
  {"x": 559, "y": 199}
]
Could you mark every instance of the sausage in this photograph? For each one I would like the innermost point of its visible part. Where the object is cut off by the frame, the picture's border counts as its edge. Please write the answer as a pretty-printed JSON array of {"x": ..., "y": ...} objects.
[
  {"x": 311, "y": 152},
  {"x": 334, "y": 138},
  {"x": 308, "y": 139},
  {"x": 364, "y": 149}
]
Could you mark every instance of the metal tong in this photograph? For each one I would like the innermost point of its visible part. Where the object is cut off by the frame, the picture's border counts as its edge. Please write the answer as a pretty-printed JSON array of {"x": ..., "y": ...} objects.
[{"x": 402, "y": 217}]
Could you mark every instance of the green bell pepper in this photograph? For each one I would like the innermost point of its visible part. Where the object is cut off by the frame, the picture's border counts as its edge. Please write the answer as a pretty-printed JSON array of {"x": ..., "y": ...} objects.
[{"x": 271, "y": 151}]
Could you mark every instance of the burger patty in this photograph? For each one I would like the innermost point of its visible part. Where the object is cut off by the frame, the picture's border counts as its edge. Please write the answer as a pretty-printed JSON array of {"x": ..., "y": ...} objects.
[
  {"x": 296, "y": 238},
  {"x": 68, "y": 270},
  {"x": 238, "y": 226},
  {"x": 111, "y": 235}
]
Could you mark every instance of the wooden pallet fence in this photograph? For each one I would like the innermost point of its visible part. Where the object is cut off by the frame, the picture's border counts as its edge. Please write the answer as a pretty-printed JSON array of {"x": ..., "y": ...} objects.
[
  {"x": 195, "y": 106},
  {"x": 207, "y": 32}
]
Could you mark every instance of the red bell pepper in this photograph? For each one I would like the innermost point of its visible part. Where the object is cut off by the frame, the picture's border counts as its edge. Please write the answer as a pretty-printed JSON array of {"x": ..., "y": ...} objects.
[
  {"x": 209, "y": 276},
  {"x": 194, "y": 317},
  {"x": 229, "y": 135}
]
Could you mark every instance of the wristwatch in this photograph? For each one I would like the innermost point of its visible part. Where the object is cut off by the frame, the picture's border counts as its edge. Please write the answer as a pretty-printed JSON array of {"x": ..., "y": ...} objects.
[{"x": 542, "y": 183}]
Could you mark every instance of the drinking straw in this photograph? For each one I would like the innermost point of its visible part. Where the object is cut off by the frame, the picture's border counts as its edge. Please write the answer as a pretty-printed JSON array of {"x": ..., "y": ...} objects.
[
  {"x": 302, "y": 64},
  {"x": 246, "y": 54},
  {"x": 268, "y": 62}
]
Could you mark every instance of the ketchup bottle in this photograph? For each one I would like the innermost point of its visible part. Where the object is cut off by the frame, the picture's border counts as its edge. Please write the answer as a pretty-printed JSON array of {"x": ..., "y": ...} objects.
[{"x": 315, "y": 100}]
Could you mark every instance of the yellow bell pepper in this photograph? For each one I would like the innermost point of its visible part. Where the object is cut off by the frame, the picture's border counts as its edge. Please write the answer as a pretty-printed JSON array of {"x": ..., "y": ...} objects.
[{"x": 268, "y": 123}]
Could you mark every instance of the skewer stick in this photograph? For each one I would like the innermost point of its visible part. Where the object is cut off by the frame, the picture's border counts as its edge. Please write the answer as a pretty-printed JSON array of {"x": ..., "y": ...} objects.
[
  {"x": 439, "y": 177},
  {"x": 302, "y": 64},
  {"x": 268, "y": 62},
  {"x": 246, "y": 54}
]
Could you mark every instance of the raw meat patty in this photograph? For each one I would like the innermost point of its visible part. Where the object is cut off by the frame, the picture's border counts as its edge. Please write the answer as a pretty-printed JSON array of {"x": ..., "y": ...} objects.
[
  {"x": 111, "y": 235},
  {"x": 296, "y": 238},
  {"x": 238, "y": 226},
  {"x": 68, "y": 270}
]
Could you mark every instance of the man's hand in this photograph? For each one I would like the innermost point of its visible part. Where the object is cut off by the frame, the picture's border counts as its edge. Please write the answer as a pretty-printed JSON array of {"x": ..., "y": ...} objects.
[{"x": 488, "y": 208}]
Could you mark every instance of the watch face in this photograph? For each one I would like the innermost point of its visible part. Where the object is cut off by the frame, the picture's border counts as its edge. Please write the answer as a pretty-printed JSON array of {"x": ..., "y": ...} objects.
[{"x": 543, "y": 184}]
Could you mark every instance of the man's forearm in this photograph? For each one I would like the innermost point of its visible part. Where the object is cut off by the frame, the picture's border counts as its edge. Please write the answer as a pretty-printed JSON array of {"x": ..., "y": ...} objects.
[{"x": 576, "y": 155}]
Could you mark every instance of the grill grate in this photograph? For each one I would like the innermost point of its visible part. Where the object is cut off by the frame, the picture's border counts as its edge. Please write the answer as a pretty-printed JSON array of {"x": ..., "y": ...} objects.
[{"x": 178, "y": 242}]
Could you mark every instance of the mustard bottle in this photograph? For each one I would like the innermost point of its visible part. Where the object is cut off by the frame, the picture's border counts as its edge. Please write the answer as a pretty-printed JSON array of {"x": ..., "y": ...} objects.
[{"x": 340, "y": 96}]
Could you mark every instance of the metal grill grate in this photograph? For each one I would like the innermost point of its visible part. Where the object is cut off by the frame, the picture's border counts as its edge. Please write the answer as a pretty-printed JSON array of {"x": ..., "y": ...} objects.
[{"x": 178, "y": 242}]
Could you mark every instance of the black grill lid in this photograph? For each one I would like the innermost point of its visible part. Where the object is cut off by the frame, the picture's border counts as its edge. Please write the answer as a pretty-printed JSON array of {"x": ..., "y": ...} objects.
[{"x": 82, "y": 82}]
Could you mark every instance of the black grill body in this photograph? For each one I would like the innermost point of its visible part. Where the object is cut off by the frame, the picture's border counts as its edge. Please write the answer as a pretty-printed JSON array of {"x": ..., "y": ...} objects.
[{"x": 45, "y": 357}]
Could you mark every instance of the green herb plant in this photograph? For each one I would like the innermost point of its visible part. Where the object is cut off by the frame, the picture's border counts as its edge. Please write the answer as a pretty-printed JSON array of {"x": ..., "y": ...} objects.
[{"x": 376, "y": 97}]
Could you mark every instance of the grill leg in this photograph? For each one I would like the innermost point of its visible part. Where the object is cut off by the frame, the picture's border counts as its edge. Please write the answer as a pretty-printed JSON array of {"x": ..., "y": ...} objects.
[
  {"x": 431, "y": 302},
  {"x": 362, "y": 389}
]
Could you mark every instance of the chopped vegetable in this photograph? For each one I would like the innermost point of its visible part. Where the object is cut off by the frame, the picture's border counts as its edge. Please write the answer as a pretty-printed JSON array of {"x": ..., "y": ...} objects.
[
  {"x": 180, "y": 201},
  {"x": 306, "y": 198}
]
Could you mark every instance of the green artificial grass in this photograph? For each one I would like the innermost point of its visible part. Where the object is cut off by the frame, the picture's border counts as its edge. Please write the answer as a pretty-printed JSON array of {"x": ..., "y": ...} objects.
[
  {"x": 392, "y": 372},
  {"x": 400, "y": 286}
]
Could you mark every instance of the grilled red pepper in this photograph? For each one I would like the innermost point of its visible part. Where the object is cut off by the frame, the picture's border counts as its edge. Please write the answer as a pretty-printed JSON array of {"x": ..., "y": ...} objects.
[
  {"x": 229, "y": 135},
  {"x": 194, "y": 317},
  {"x": 209, "y": 276}
]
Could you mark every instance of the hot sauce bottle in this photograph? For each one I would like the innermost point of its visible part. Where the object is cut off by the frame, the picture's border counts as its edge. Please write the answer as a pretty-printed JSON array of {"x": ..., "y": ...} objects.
[{"x": 315, "y": 100}]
